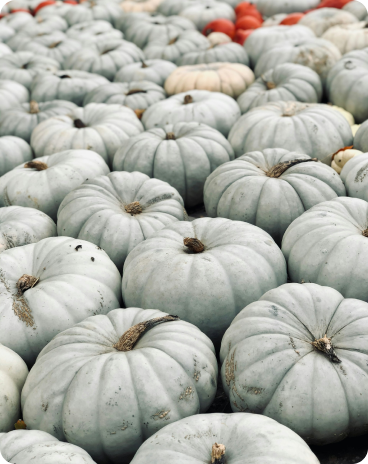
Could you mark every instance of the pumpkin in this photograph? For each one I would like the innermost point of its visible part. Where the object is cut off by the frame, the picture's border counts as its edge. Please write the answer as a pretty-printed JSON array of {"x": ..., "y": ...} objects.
[
  {"x": 183, "y": 154},
  {"x": 93, "y": 31},
  {"x": 354, "y": 174},
  {"x": 215, "y": 109},
  {"x": 333, "y": 3},
  {"x": 225, "y": 52},
  {"x": 70, "y": 85},
  {"x": 12, "y": 94},
  {"x": 313, "y": 129},
  {"x": 97, "y": 126},
  {"x": 357, "y": 9},
  {"x": 317, "y": 54},
  {"x": 270, "y": 7},
  {"x": 292, "y": 18},
  {"x": 91, "y": 10},
  {"x": 218, "y": 38},
  {"x": 220, "y": 25},
  {"x": 44, "y": 182},
  {"x": 13, "y": 374},
  {"x": 201, "y": 284},
  {"x": 155, "y": 71},
  {"x": 6, "y": 32},
  {"x": 247, "y": 9},
  {"x": 323, "y": 19},
  {"x": 248, "y": 22},
  {"x": 347, "y": 84},
  {"x": 173, "y": 7},
  {"x": 341, "y": 157},
  {"x": 220, "y": 438},
  {"x": 295, "y": 356},
  {"x": 361, "y": 138},
  {"x": 140, "y": 5},
  {"x": 56, "y": 8},
  {"x": 229, "y": 78},
  {"x": 57, "y": 267},
  {"x": 22, "y": 67},
  {"x": 13, "y": 151},
  {"x": 142, "y": 29},
  {"x": 4, "y": 50},
  {"x": 130, "y": 208},
  {"x": 263, "y": 38},
  {"x": 45, "y": 25},
  {"x": 348, "y": 37},
  {"x": 157, "y": 370},
  {"x": 270, "y": 189},
  {"x": 29, "y": 446},
  {"x": 21, "y": 120},
  {"x": 205, "y": 12},
  {"x": 241, "y": 36},
  {"x": 285, "y": 82},
  {"x": 17, "y": 21}
]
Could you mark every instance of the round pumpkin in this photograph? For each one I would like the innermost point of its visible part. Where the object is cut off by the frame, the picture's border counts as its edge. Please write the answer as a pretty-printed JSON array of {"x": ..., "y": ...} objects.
[
  {"x": 229, "y": 78},
  {"x": 314, "y": 129},
  {"x": 324, "y": 18},
  {"x": 118, "y": 211},
  {"x": 44, "y": 182},
  {"x": 6, "y": 32},
  {"x": 13, "y": 374},
  {"x": 97, "y": 126},
  {"x": 341, "y": 157},
  {"x": 270, "y": 189},
  {"x": 220, "y": 25},
  {"x": 223, "y": 52},
  {"x": 230, "y": 438},
  {"x": 247, "y": 9},
  {"x": 286, "y": 82},
  {"x": 248, "y": 22},
  {"x": 12, "y": 94},
  {"x": 357, "y": 9},
  {"x": 348, "y": 37},
  {"x": 215, "y": 109},
  {"x": 91, "y": 10},
  {"x": 93, "y": 31},
  {"x": 201, "y": 284},
  {"x": 183, "y": 154},
  {"x": 13, "y": 151},
  {"x": 139, "y": 371},
  {"x": 296, "y": 355},
  {"x": 361, "y": 138},
  {"x": 354, "y": 173},
  {"x": 156, "y": 71},
  {"x": 204, "y": 12}
]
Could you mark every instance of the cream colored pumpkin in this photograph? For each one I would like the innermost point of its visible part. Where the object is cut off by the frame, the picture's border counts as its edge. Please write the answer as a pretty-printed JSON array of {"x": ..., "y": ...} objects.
[
  {"x": 340, "y": 158},
  {"x": 348, "y": 116},
  {"x": 355, "y": 128},
  {"x": 348, "y": 37},
  {"x": 218, "y": 38},
  {"x": 149, "y": 6},
  {"x": 229, "y": 78}
]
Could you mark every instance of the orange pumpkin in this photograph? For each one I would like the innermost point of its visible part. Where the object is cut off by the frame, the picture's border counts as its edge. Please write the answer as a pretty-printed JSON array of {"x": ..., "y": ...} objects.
[
  {"x": 247, "y": 22},
  {"x": 333, "y": 3},
  {"x": 220, "y": 25},
  {"x": 247, "y": 9},
  {"x": 292, "y": 19},
  {"x": 43, "y": 4},
  {"x": 241, "y": 35}
]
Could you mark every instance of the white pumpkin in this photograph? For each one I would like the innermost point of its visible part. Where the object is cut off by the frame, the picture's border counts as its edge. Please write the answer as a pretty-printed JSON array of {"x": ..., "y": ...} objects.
[
  {"x": 104, "y": 57},
  {"x": 229, "y": 78},
  {"x": 215, "y": 109},
  {"x": 90, "y": 10},
  {"x": 97, "y": 126},
  {"x": 156, "y": 369},
  {"x": 183, "y": 154},
  {"x": 314, "y": 129},
  {"x": 93, "y": 31},
  {"x": 156, "y": 71},
  {"x": 48, "y": 286},
  {"x": 324, "y": 18},
  {"x": 357, "y": 9},
  {"x": 21, "y": 40},
  {"x": 30, "y": 446},
  {"x": 70, "y": 85},
  {"x": 341, "y": 157},
  {"x": 12, "y": 94},
  {"x": 348, "y": 37},
  {"x": 150, "y": 6},
  {"x": 218, "y": 38},
  {"x": 17, "y": 20},
  {"x": 285, "y": 82},
  {"x": 173, "y": 7},
  {"x": 361, "y": 138},
  {"x": 13, "y": 151},
  {"x": 223, "y": 52},
  {"x": 270, "y": 189},
  {"x": 44, "y": 182},
  {"x": 13, "y": 374},
  {"x": 272, "y": 7},
  {"x": 23, "y": 67},
  {"x": 204, "y": 12},
  {"x": 21, "y": 120},
  {"x": 6, "y": 32},
  {"x": 354, "y": 175},
  {"x": 186, "y": 267},
  {"x": 45, "y": 25},
  {"x": 4, "y": 50},
  {"x": 298, "y": 355},
  {"x": 118, "y": 211}
]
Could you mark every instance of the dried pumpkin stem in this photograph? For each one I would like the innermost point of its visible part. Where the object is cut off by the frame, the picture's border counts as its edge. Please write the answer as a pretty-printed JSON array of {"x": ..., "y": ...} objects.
[
  {"x": 79, "y": 124},
  {"x": 218, "y": 454},
  {"x": 38, "y": 165},
  {"x": 188, "y": 99},
  {"x": 64, "y": 76},
  {"x": 324, "y": 344},
  {"x": 194, "y": 245},
  {"x": 134, "y": 208},
  {"x": 341, "y": 149},
  {"x": 33, "y": 107},
  {"x": 133, "y": 91},
  {"x": 172, "y": 41},
  {"x": 128, "y": 340},
  {"x": 170, "y": 136},
  {"x": 280, "y": 168},
  {"x": 55, "y": 44},
  {"x": 144, "y": 65},
  {"x": 26, "y": 282},
  {"x": 270, "y": 85},
  {"x": 365, "y": 233},
  {"x": 139, "y": 113}
]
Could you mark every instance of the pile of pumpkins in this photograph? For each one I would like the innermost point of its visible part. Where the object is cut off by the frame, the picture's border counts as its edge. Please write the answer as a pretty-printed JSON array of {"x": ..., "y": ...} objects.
[{"x": 183, "y": 205}]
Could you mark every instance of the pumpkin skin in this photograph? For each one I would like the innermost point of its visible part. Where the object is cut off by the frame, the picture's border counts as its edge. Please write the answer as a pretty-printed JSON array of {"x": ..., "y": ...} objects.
[
  {"x": 13, "y": 151},
  {"x": 274, "y": 20},
  {"x": 17, "y": 21},
  {"x": 45, "y": 25},
  {"x": 6, "y": 32},
  {"x": 270, "y": 7},
  {"x": 246, "y": 190},
  {"x": 109, "y": 223},
  {"x": 285, "y": 82},
  {"x": 223, "y": 52},
  {"x": 93, "y": 10},
  {"x": 348, "y": 37},
  {"x": 175, "y": 355},
  {"x": 13, "y": 374},
  {"x": 361, "y": 138},
  {"x": 21, "y": 226},
  {"x": 340, "y": 158},
  {"x": 322, "y": 19},
  {"x": 21, "y": 40},
  {"x": 204, "y": 12},
  {"x": 219, "y": 38},
  {"x": 21, "y": 120},
  {"x": 96, "y": 127},
  {"x": 4, "y": 50},
  {"x": 321, "y": 400},
  {"x": 45, "y": 189},
  {"x": 173, "y": 7},
  {"x": 212, "y": 108},
  {"x": 70, "y": 85},
  {"x": 59, "y": 9},
  {"x": 314, "y": 129},
  {"x": 92, "y": 31},
  {"x": 29, "y": 446},
  {"x": 354, "y": 174},
  {"x": 248, "y": 438},
  {"x": 156, "y": 71},
  {"x": 12, "y": 94},
  {"x": 104, "y": 57},
  {"x": 150, "y": 6},
  {"x": 357, "y": 9},
  {"x": 220, "y": 25},
  {"x": 204, "y": 288},
  {"x": 229, "y": 78},
  {"x": 183, "y": 154}
]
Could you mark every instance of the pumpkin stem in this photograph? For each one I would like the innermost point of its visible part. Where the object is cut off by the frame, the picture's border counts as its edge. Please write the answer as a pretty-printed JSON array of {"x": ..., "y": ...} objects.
[
  {"x": 25, "y": 283},
  {"x": 128, "y": 340},
  {"x": 20, "y": 425},
  {"x": 38, "y": 165},
  {"x": 144, "y": 64},
  {"x": 365, "y": 233},
  {"x": 55, "y": 44},
  {"x": 341, "y": 149},
  {"x": 79, "y": 124},
  {"x": 172, "y": 41},
  {"x": 218, "y": 454},
  {"x": 188, "y": 99},
  {"x": 270, "y": 85},
  {"x": 25, "y": 66},
  {"x": 33, "y": 107},
  {"x": 280, "y": 168},
  {"x": 134, "y": 208},
  {"x": 133, "y": 91},
  {"x": 324, "y": 344},
  {"x": 64, "y": 76},
  {"x": 139, "y": 113},
  {"x": 194, "y": 245},
  {"x": 170, "y": 136},
  {"x": 108, "y": 51}
]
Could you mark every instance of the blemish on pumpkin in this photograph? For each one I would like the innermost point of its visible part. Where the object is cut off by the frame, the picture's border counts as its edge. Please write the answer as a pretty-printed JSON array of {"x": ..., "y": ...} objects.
[
  {"x": 254, "y": 390},
  {"x": 361, "y": 174},
  {"x": 188, "y": 392},
  {"x": 45, "y": 406},
  {"x": 294, "y": 346},
  {"x": 196, "y": 375},
  {"x": 161, "y": 415},
  {"x": 92, "y": 259},
  {"x": 78, "y": 247}
]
